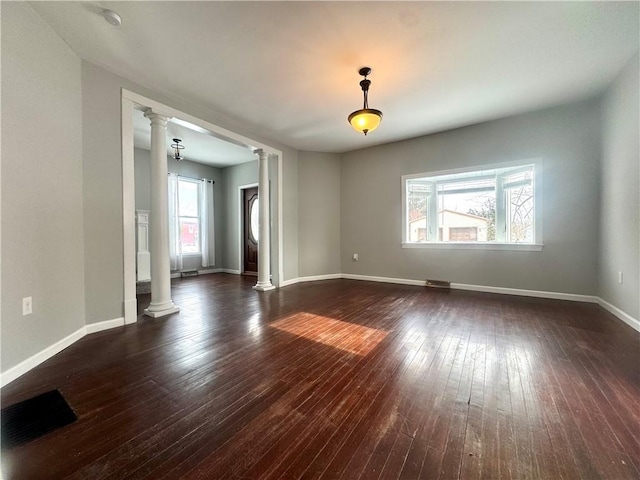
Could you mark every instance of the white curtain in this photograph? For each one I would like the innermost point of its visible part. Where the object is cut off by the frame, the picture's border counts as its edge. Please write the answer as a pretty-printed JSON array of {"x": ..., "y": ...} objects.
[
  {"x": 175, "y": 250},
  {"x": 207, "y": 238}
]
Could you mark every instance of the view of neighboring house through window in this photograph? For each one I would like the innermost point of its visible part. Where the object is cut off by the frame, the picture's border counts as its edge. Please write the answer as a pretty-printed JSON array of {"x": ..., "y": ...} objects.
[
  {"x": 188, "y": 216},
  {"x": 485, "y": 206}
]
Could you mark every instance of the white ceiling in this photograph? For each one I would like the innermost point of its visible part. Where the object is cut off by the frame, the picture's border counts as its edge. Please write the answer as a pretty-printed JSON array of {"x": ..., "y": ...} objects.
[
  {"x": 288, "y": 70},
  {"x": 199, "y": 147}
]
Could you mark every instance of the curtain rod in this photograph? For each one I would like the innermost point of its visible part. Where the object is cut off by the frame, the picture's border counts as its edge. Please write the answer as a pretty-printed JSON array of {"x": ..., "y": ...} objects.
[{"x": 192, "y": 178}]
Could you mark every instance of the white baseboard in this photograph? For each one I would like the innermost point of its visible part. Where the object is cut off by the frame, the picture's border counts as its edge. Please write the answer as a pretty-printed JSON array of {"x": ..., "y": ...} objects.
[
  {"x": 33, "y": 361},
  {"x": 203, "y": 271},
  {"x": 312, "y": 278},
  {"x": 622, "y": 315},
  {"x": 228, "y": 270},
  {"x": 573, "y": 297},
  {"x": 206, "y": 271},
  {"x": 105, "y": 325},
  {"x": 458, "y": 286},
  {"x": 368, "y": 278},
  {"x": 23, "y": 367}
]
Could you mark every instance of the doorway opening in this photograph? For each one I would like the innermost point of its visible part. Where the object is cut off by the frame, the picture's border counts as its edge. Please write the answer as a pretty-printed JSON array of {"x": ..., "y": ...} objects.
[
  {"x": 132, "y": 101},
  {"x": 250, "y": 229}
]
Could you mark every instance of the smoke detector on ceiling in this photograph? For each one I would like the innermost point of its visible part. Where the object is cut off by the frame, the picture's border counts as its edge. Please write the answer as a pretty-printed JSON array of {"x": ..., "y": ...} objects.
[{"x": 112, "y": 17}]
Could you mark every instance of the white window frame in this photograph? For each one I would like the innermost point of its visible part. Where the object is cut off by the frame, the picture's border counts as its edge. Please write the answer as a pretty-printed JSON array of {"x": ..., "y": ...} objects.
[
  {"x": 537, "y": 199},
  {"x": 179, "y": 217}
]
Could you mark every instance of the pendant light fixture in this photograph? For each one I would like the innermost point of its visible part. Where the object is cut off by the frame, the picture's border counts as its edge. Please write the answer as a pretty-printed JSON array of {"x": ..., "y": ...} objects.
[
  {"x": 366, "y": 119},
  {"x": 176, "y": 149}
]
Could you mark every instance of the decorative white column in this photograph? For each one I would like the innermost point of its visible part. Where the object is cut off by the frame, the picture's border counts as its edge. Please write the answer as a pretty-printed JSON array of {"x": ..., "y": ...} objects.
[
  {"x": 264, "y": 244},
  {"x": 161, "y": 303}
]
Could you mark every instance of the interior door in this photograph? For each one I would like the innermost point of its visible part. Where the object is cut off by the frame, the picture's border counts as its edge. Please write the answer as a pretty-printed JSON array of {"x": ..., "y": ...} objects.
[{"x": 250, "y": 229}]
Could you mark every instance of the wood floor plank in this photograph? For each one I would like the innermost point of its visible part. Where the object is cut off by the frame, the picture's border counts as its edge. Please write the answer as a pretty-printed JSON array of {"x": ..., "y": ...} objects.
[
  {"x": 470, "y": 466},
  {"x": 352, "y": 406},
  {"x": 343, "y": 379},
  {"x": 420, "y": 456},
  {"x": 353, "y": 456},
  {"x": 240, "y": 454},
  {"x": 391, "y": 421},
  {"x": 410, "y": 409},
  {"x": 524, "y": 368},
  {"x": 444, "y": 407}
]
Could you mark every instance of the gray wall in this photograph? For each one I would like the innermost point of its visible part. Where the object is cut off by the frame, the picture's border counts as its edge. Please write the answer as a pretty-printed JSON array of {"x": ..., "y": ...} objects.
[
  {"x": 42, "y": 241},
  {"x": 232, "y": 178},
  {"x": 142, "y": 164},
  {"x": 620, "y": 201},
  {"x": 142, "y": 172},
  {"x": 290, "y": 214},
  {"x": 318, "y": 213},
  {"x": 103, "y": 187},
  {"x": 567, "y": 139},
  {"x": 102, "y": 177}
]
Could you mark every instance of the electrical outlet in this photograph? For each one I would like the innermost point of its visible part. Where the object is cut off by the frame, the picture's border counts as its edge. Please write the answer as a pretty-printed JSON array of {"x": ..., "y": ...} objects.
[
  {"x": 620, "y": 278},
  {"x": 27, "y": 306},
  {"x": 355, "y": 257}
]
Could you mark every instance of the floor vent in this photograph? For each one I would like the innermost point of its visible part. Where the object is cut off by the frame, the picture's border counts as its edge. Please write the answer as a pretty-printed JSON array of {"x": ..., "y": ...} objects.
[
  {"x": 438, "y": 283},
  {"x": 189, "y": 273}
]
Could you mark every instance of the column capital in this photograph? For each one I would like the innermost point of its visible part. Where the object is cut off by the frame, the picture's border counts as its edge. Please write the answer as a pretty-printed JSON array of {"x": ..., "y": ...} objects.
[
  {"x": 156, "y": 118},
  {"x": 262, "y": 155}
]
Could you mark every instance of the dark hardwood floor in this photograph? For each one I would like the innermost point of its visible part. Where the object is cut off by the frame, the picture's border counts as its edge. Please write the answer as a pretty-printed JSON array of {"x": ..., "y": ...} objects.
[{"x": 344, "y": 379}]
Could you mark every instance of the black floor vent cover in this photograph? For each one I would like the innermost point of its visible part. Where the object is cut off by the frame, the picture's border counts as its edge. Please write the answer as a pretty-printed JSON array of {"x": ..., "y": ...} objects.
[{"x": 33, "y": 418}]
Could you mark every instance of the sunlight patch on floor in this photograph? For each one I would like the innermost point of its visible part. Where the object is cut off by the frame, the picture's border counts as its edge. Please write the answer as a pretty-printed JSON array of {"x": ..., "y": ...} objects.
[{"x": 350, "y": 337}]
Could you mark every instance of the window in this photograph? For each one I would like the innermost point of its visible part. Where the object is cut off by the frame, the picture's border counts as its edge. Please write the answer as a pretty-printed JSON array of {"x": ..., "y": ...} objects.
[
  {"x": 254, "y": 223},
  {"x": 491, "y": 207},
  {"x": 191, "y": 221},
  {"x": 188, "y": 217}
]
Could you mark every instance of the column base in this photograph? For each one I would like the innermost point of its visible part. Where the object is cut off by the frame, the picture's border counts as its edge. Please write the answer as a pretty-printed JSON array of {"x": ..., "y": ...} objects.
[
  {"x": 263, "y": 287},
  {"x": 161, "y": 311}
]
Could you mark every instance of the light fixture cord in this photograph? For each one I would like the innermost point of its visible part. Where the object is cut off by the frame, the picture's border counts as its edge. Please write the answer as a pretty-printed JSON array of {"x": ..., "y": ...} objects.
[{"x": 365, "y": 88}]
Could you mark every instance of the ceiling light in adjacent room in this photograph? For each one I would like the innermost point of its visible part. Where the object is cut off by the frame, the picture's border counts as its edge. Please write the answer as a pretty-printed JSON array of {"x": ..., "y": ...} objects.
[
  {"x": 366, "y": 119},
  {"x": 112, "y": 17},
  {"x": 176, "y": 149}
]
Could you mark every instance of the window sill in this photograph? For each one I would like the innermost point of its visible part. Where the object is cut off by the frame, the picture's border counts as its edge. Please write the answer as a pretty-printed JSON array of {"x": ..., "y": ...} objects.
[{"x": 523, "y": 247}]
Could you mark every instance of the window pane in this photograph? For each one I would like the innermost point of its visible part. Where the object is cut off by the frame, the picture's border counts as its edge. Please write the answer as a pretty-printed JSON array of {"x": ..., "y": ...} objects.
[
  {"x": 520, "y": 215},
  {"x": 188, "y": 199},
  {"x": 417, "y": 208},
  {"x": 189, "y": 235},
  {"x": 254, "y": 225},
  {"x": 468, "y": 216}
]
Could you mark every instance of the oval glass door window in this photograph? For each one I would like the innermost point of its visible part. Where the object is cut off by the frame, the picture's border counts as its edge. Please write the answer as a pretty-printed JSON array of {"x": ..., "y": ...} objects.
[{"x": 254, "y": 229}]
